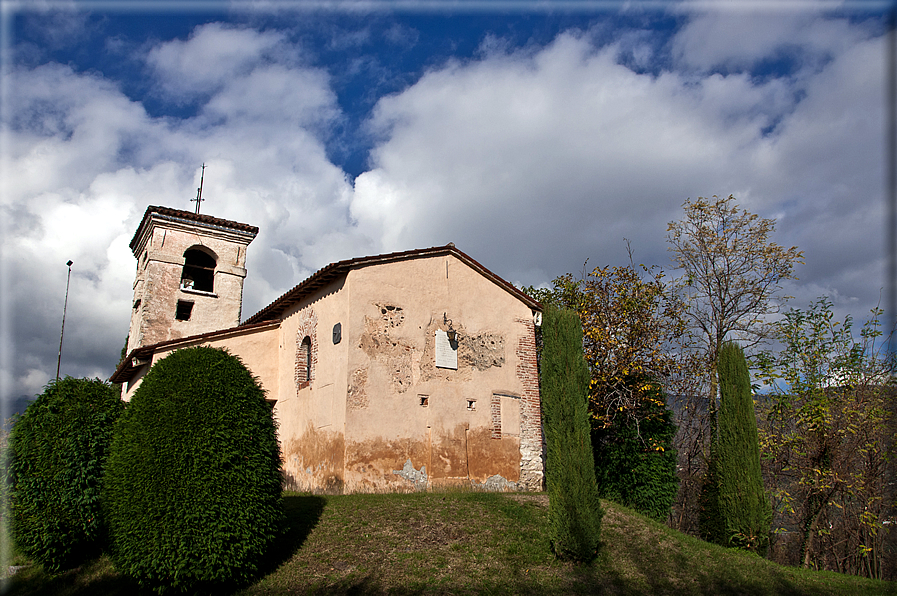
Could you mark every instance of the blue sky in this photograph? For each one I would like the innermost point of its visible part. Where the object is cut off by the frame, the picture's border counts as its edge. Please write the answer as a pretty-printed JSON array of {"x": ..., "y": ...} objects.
[{"x": 532, "y": 138}]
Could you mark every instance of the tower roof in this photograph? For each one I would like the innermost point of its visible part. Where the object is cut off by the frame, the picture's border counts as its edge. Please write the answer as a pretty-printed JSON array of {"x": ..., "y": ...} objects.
[{"x": 167, "y": 213}]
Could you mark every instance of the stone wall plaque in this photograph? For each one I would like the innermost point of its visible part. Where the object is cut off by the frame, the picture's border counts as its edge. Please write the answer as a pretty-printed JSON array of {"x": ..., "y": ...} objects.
[{"x": 446, "y": 353}]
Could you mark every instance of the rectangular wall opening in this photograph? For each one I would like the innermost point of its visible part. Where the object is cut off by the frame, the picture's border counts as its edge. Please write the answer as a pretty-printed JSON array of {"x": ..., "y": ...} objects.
[{"x": 183, "y": 311}]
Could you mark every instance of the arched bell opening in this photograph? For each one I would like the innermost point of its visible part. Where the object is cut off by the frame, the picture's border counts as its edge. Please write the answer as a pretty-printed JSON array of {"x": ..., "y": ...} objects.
[{"x": 199, "y": 270}]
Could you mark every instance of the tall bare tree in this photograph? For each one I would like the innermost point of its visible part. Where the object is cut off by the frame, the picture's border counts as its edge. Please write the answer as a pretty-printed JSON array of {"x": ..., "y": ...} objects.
[
  {"x": 733, "y": 274},
  {"x": 732, "y": 281}
]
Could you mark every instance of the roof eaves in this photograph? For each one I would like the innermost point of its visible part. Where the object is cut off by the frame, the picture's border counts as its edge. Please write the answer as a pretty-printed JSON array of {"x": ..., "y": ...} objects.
[
  {"x": 124, "y": 371},
  {"x": 333, "y": 270},
  {"x": 178, "y": 214}
]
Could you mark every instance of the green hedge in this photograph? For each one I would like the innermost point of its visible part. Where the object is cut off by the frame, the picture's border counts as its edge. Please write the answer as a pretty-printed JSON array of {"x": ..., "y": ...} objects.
[
  {"x": 59, "y": 448},
  {"x": 193, "y": 484}
]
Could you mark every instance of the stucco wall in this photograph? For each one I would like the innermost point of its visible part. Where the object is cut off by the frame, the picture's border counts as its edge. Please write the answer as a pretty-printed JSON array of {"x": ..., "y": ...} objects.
[
  {"x": 311, "y": 416},
  {"x": 395, "y": 443},
  {"x": 257, "y": 348}
]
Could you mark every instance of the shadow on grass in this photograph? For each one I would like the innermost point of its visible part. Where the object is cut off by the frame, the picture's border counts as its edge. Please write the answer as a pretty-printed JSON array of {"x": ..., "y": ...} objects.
[
  {"x": 302, "y": 515},
  {"x": 99, "y": 577},
  {"x": 674, "y": 572},
  {"x": 36, "y": 581}
]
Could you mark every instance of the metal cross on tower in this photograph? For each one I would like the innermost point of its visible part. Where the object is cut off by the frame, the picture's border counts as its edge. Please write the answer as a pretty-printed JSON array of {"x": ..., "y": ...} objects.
[{"x": 199, "y": 198}]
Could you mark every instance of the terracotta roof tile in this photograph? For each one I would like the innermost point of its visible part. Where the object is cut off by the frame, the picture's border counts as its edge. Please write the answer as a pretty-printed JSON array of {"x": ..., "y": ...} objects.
[
  {"x": 188, "y": 215},
  {"x": 334, "y": 270}
]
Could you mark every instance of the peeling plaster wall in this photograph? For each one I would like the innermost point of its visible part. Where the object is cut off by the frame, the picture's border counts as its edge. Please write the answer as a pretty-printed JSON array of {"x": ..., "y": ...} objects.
[
  {"x": 313, "y": 460},
  {"x": 312, "y": 416},
  {"x": 393, "y": 442}
]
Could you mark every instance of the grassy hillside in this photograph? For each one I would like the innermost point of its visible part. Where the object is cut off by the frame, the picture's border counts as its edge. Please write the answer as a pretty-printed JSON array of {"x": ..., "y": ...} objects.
[{"x": 474, "y": 543}]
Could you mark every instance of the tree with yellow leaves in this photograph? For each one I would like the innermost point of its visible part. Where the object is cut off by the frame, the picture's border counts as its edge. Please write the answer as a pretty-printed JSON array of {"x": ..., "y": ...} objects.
[
  {"x": 632, "y": 330},
  {"x": 828, "y": 434}
]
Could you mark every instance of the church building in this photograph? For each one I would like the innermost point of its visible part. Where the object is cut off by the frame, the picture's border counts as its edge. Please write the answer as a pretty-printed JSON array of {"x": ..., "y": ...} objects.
[{"x": 397, "y": 372}]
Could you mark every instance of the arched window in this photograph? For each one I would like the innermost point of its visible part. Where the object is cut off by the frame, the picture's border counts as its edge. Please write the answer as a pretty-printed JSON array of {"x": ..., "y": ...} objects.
[
  {"x": 199, "y": 270},
  {"x": 303, "y": 362}
]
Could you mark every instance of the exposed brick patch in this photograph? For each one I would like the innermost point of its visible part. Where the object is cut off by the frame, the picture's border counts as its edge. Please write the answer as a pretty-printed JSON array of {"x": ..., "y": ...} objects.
[
  {"x": 532, "y": 466},
  {"x": 495, "y": 409},
  {"x": 303, "y": 363},
  {"x": 308, "y": 328}
]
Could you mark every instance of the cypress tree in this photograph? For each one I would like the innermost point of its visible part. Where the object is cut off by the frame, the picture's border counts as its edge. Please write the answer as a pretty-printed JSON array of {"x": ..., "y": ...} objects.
[
  {"x": 743, "y": 506},
  {"x": 574, "y": 512}
]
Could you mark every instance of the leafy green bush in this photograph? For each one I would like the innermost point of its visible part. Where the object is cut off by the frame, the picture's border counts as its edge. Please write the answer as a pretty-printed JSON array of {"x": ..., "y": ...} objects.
[
  {"x": 59, "y": 448},
  {"x": 635, "y": 463},
  {"x": 574, "y": 511},
  {"x": 193, "y": 483}
]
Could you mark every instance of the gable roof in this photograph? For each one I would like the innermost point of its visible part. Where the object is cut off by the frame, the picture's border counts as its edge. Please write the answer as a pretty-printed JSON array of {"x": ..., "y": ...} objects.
[
  {"x": 271, "y": 314},
  {"x": 334, "y": 270},
  {"x": 178, "y": 214}
]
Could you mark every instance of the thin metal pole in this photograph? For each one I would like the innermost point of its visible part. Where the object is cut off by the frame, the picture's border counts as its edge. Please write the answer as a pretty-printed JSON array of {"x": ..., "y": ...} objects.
[
  {"x": 891, "y": 191},
  {"x": 64, "y": 307},
  {"x": 199, "y": 198}
]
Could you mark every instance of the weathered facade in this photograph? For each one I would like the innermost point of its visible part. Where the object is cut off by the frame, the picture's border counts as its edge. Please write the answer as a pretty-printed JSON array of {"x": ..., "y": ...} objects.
[
  {"x": 396, "y": 372},
  {"x": 190, "y": 271}
]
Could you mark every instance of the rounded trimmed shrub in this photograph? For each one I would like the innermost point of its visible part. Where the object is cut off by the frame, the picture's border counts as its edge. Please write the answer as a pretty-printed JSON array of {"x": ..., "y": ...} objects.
[
  {"x": 59, "y": 448},
  {"x": 193, "y": 484}
]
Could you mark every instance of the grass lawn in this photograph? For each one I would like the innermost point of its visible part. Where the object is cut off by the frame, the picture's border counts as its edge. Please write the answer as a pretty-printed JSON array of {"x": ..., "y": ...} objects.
[{"x": 475, "y": 543}]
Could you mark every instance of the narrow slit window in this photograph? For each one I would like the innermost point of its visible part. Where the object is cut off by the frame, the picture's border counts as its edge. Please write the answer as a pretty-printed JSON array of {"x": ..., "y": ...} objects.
[
  {"x": 303, "y": 362},
  {"x": 183, "y": 311}
]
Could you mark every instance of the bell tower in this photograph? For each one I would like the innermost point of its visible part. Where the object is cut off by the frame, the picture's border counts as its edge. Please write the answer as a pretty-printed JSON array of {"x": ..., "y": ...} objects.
[{"x": 190, "y": 271}]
